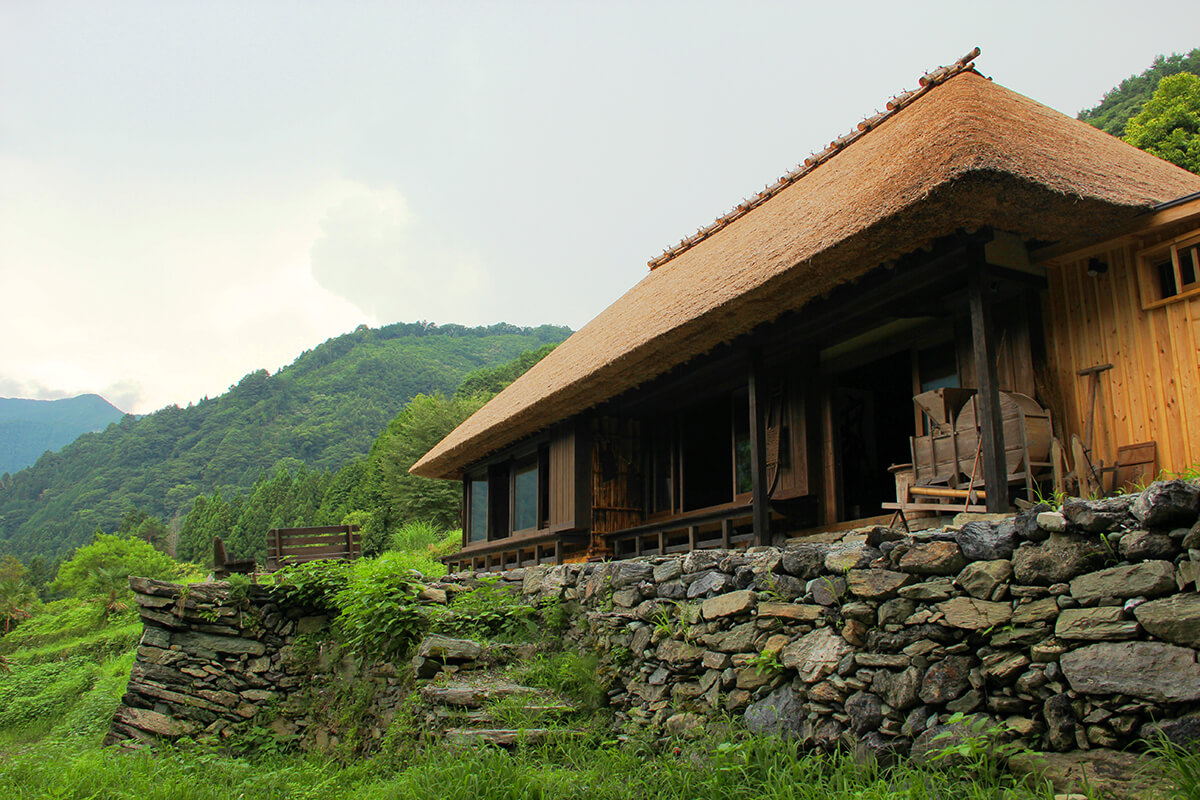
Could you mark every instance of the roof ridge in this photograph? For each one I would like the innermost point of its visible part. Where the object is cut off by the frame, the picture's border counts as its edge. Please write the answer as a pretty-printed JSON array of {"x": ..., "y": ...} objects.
[{"x": 926, "y": 81}]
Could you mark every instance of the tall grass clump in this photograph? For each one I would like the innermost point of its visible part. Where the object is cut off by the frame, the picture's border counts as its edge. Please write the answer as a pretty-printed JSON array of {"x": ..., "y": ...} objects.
[{"x": 420, "y": 546}]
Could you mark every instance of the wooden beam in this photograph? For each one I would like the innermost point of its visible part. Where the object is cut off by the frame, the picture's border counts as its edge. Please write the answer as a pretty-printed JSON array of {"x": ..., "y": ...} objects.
[
  {"x": 983, "y": 343},
  {"x": 758, "y": 450}
]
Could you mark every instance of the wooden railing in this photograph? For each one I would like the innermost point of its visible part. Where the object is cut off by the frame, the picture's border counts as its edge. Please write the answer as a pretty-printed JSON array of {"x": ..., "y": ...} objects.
[
  {"x": 542, "y": 547},
  {"x": 300, "y": 545},
  {"x": 719, "y": 528}
]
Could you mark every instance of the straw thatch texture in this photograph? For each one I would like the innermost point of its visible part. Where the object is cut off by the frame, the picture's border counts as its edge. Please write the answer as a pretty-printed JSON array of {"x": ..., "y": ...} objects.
[{"x": 968, "y": 153}]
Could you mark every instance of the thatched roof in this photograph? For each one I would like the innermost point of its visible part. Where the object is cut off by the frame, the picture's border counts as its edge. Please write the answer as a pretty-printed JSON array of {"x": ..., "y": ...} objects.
[{"x": 964, "y": 153}]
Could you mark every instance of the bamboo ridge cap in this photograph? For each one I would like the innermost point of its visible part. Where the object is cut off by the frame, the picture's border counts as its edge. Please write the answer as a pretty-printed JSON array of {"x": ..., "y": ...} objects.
[{"x": 926, "y": 82}]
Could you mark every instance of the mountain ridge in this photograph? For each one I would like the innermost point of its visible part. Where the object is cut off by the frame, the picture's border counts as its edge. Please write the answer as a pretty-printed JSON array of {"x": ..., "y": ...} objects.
[
  {"x": 323, "y": 410},
  {"x": 29, "y": 427}
]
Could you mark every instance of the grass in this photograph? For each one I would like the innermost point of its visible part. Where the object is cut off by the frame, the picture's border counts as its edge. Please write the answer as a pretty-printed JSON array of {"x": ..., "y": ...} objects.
[{"x": 763, "y": 769}]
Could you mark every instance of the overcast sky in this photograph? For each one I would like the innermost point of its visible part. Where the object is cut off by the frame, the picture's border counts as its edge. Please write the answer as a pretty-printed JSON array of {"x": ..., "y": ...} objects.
[{"x": 190, "y": 191}]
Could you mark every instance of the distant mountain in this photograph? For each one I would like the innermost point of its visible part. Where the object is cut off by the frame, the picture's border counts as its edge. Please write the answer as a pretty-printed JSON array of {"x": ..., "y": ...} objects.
[
  {"x": 29, "y": 428},
  {"x": 323, "y": 410}
]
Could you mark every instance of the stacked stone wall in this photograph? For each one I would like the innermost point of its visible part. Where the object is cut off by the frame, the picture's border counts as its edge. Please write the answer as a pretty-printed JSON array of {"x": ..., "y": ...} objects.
[{"x": 1075, "y": 627}]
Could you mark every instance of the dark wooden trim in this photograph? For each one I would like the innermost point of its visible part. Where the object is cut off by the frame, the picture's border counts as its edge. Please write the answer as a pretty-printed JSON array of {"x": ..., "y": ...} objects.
[
  {"x": 758, "y": 452},
  {"x": 983, "y": 344}
]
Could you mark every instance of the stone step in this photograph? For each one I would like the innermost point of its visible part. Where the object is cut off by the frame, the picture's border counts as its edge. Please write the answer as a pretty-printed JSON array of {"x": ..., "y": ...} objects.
[
  {"x": 436, "y": 654},
  {"x": 505, "y": 737},
  {"x": 464, "y": 695},
  {"x": 479, "y": 716}
]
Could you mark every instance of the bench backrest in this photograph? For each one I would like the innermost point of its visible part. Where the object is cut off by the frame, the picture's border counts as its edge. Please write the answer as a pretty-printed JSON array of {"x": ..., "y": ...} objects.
[{"x": 299, "y": 545}]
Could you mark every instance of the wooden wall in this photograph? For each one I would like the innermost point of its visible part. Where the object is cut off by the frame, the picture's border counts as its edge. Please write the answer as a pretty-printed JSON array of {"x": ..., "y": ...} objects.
[
  {"x": 616, "y": 476},
  {"x": 1153, "y": 391}
]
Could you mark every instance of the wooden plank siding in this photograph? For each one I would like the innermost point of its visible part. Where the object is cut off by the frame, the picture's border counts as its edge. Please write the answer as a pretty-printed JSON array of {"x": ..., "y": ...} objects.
[{"x": 1149, "y": 393}]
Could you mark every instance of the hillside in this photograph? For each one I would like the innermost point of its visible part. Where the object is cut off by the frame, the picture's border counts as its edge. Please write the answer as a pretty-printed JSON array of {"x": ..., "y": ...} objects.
[
  {"x": 29, "y": 428},
  {"x": 1124, "y": 101},
  {"x": 325, "y": 410}
]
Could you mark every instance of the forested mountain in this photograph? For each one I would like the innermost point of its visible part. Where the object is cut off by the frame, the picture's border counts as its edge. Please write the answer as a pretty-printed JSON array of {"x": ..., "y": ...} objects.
[
  {"x": 319, "y": 413},
  {"x": 1126, "y": 100},
  {"x": 29, "y": 428}
]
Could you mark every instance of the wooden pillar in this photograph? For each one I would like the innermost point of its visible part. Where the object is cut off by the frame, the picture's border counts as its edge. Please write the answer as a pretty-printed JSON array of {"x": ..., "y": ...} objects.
[
  {"x": 758, "y": 450},
  {"x": 983, "y": 343}
]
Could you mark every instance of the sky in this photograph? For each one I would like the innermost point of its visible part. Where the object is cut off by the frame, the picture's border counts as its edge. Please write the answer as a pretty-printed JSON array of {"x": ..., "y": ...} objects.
[{"x": 190, "y": 191}]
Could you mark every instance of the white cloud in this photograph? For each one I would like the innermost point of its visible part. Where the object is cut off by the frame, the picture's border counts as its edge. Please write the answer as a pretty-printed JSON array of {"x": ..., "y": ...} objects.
[{"x": 377, "y": 254}]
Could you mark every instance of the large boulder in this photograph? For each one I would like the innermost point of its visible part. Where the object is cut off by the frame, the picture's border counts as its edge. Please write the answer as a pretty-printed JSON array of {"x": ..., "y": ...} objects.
[
  {"x": 1026, "y": 525},
  {"x": 781, "y": 713},
  {"x": 815, "y": 654},
  {"x": 1148, "y": 579},
  {"x": 1176, "y": 619},
  {"x": 1100, "y": 773},
  {"x": 987, "y": 541},
  {"x": 1147, "y": 546},
  {"x": 1168, "y": 504},
  {"x": 980, "y": 578},
  {"x": 1057, "y": 560},
  {"x": 1098, "y": 516},
  {"x": 972, "y": 614},
  {"x": 932, "y": 558},
  {"x": 1155, "y": 671},
  {"x": 946, "y": 680},
  {"x": 805, "y": 561},
  {"x": 865, "y": 711}
]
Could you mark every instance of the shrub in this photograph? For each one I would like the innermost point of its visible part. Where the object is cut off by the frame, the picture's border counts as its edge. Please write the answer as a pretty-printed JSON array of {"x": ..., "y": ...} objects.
[
  {"x": 95, "y": 568},
  {"x": 378, "y": 615}
]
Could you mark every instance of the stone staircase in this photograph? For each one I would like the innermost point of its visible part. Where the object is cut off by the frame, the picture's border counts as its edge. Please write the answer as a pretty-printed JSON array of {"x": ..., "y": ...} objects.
[{"x": 470, "y": 700}]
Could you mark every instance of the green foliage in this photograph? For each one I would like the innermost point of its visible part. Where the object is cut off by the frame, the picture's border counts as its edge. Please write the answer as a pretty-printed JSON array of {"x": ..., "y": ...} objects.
[
  {"x": 425, "y": 421},
  {"x": 977, "y": 747},
  {"x": 18, "y": 602},
  {"x": 378, "y": 616},
  {"x": 11, "y": 569},
  {"x": 1125, "y": 101},
  {"x": 766, "y": 662},
  {"x": 1169, "y": 124},
  {"x": 96, "y": 568},
  {"x": 1180, "y": 765},
  {"x": 315, "y": 584},
  {"x": 488, "y": 381},
  {"x": 488, "y": 611},
  {"x": 567, "y": 673},
  {"x": 322, "y": 410}
]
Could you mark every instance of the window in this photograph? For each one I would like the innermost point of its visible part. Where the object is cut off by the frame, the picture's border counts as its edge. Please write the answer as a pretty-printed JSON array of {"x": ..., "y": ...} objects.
[
  {"x": 526, "y": 498},
  {"x": 477, "y": 514},
  {"x": 1169, "y": 272}
]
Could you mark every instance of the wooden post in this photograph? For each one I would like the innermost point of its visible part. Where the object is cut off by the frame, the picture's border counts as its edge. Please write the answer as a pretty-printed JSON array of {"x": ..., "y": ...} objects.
[
  {"x": 758, "y": 450},
  {"x": 983, "y": 342}
]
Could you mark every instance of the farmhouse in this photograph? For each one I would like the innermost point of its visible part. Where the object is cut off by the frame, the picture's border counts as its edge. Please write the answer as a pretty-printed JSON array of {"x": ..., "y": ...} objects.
[{"x": 968, "y": 299}]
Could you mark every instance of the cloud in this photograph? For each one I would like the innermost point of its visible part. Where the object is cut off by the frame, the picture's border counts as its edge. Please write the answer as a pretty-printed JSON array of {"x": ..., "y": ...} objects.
[
  {"x": 11, "y": 387},
  {"x": 374, "y": 252},
  {"x": 123, "y": 394}
]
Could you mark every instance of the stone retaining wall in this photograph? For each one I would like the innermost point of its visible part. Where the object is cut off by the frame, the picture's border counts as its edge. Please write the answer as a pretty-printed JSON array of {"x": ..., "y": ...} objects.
[{"x": 1077, "y": 628}]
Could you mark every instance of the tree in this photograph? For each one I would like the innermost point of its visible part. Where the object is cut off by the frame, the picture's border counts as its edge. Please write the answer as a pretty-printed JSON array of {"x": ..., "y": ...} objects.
[
  {"x": 11, "y": 569},
  {"x": 1123, "y": 102},
  {"x": 424, "y": 422},
  {"x": 94, "y": 568},
  {"x": 17, "y": 601},
  {"x": 1169, "y": 124}
]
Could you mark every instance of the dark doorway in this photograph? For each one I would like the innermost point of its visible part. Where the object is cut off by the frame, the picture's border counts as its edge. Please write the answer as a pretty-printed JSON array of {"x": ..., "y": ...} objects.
[
  {"x": 706, "y": 438},
  {"x": 873, "y": 420}
]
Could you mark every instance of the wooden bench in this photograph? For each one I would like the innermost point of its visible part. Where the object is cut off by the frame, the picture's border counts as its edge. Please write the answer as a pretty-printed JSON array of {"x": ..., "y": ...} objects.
[{"x": 300, "y": 545}]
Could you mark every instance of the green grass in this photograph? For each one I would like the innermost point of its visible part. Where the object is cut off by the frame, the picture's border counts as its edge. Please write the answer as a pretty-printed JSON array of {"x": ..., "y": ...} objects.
[{"x": 761, "y": 769}]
